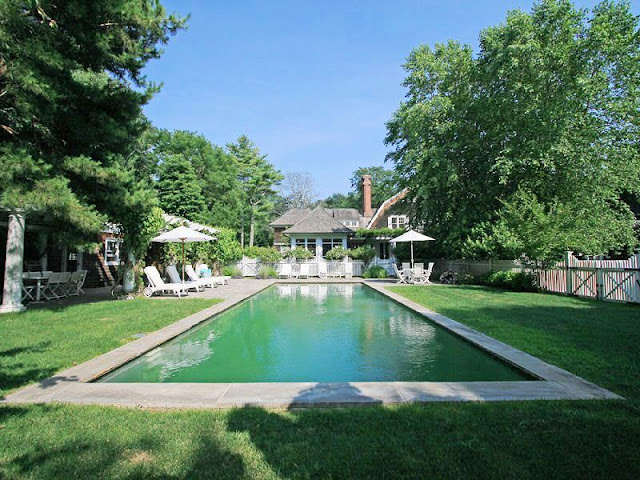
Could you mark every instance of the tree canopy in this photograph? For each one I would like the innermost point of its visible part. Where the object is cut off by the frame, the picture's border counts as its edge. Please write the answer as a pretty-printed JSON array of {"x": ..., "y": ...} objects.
[
  {"x": 539, "y": 128},
  {"x": 71, "y": 97},
  {"x": 205, "y": 181}
]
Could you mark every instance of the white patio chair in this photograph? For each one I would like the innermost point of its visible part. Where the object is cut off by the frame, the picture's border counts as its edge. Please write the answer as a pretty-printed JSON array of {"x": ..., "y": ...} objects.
[
  {"x": 295, "y": 270},
  {"x": 406, "y": 266},
  {"x": 28, "y": 288},
  {"x": 419, "y": 275},
  {"x": 206, "y": 281},
  {"x": 75, "y": 283},
  {"x": 50, "y": 288},
  {"x": 322, "y": 270},
  {"x": 420, "y": 265},
  {"x": 403, "y": 277},
  {"x": 348, "y": 270},
  {"x": 172, "y": 271},
  {"x": 427, "y": 272},
  {"x": 304, "y": 270},
  {"x": 156, "y": 284},
  {"x": 285, "y": 270}
]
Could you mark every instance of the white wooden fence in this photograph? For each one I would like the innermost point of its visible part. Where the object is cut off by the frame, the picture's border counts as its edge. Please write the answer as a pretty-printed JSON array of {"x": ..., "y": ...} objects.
[
  {"x": 617, "y": 280},
  {"x": 250, "y": 267}
]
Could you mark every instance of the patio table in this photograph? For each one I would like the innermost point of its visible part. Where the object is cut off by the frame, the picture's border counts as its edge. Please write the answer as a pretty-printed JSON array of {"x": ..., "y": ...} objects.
[{"x": 39, "y": 279}]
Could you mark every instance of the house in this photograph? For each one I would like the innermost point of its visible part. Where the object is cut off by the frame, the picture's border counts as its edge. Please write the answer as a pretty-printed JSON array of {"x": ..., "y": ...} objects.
[
  {"x": 29, "y": 247},
  {"x": 321, "y": 229}
]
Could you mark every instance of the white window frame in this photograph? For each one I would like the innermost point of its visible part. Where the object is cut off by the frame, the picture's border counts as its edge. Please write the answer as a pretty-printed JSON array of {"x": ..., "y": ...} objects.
[
  {"x": 115, "y": 260},
  {"x": 396, "y": 219}
]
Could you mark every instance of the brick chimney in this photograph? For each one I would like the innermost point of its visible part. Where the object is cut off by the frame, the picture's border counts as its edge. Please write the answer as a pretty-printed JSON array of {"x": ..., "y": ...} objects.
[{"x": 366, "y": 196}]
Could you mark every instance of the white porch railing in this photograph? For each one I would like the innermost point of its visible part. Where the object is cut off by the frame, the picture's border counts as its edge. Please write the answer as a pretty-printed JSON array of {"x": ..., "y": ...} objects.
[{"x": 251, "y": 266}]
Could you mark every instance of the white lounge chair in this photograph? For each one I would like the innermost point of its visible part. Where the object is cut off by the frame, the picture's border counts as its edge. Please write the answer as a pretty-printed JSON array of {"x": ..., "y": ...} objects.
[
  {"x": 285, "y": 270},
  {"x": 211, "y": 282},
  {"x": 421, "y": 276},
  {"x": 172, "y": 271},
  {"x": 156, "y": 284},
  {"x": 304, "y": 270},
  {"x": 403, "y": 277}
]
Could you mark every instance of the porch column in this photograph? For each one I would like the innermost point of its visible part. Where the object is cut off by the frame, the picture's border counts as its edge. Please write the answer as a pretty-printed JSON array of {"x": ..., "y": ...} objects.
[
  {"x": 319, "y": 247},
  {"x": 344, "y": 242},
  {"x": 42, "y": 246},
  {"x": 12, "y": 291}
]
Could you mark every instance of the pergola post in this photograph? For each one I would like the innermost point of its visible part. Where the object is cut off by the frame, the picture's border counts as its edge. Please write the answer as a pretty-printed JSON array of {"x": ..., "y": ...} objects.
[{"x": 12, "y": 291}]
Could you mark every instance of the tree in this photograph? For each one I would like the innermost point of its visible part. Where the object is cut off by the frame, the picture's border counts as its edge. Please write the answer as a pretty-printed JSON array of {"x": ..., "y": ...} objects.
[
  {"x": 178, "y": 188},
  {"x": 71, "y": 102},
  {"x": 215, "y": 172},
  {"x": 341, "y": 200},
  {"x": 299, "y": 190},
  {"x": 383, "y": 185},
  {"x": 545, "y": 118},
  {"x": 258, "y": 179}
]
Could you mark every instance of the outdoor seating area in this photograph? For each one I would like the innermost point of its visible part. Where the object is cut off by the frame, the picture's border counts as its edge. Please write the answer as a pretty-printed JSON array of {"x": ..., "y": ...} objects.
[
  {"x": 177, "y": 286},
  {"x": 49, "y": 285},
  {"x": 416, "y": 275}
]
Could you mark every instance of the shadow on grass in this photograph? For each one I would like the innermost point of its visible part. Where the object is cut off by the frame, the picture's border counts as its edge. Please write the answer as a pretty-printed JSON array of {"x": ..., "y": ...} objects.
[
  {"x": 516, "y": 440},
  {"x": 111, "y": 446}
]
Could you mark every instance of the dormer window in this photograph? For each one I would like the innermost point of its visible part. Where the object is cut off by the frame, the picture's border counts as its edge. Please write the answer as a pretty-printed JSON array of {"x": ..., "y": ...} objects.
[
  {"x": 398, "y": 221},
  {"x": 350, "y": 223}
]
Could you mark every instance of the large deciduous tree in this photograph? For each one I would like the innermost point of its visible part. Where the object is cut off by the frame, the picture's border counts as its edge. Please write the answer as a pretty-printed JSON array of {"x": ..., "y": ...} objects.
[
  {"x": 71, "y": 97},
  {"x": 258, "y": 179},
  {"x": 541, "y": 126},
  {"x": 298, "y": 190},
  {"x": 215, "y": 187}
]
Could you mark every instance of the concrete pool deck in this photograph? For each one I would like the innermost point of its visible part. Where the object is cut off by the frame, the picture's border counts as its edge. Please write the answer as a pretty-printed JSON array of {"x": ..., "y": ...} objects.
[{"x": 75, "y": 385}]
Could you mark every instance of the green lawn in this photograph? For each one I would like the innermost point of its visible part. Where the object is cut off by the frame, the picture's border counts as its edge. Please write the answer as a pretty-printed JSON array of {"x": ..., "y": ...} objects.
[{"x": 471, "y": 440}]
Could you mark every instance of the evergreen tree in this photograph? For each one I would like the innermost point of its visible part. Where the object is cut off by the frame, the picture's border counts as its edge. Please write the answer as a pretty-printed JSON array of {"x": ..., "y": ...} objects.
[
  {"x": 71, "y": 102},
  {"x": 258, "y": 179}
]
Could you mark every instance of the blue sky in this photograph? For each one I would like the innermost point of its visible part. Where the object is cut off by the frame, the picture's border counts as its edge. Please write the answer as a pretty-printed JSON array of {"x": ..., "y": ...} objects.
[{"x": 311, "y": 83}]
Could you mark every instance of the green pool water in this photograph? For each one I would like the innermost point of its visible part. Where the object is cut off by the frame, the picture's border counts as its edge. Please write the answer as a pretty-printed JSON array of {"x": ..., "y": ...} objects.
[{"x": 316, "y": 333}]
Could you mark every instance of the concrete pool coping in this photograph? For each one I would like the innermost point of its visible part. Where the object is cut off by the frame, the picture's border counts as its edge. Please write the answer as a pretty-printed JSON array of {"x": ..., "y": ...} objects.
[{"x": 75, "y": 385}]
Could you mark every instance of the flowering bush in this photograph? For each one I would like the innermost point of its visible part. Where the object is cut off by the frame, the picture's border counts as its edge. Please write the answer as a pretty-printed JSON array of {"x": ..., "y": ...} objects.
[
  {"x": 337, "y": 253},
  {"x": 449, "y": 277}
]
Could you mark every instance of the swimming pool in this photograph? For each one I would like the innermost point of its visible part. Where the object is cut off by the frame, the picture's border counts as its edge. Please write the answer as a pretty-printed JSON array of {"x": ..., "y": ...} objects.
[{"x": 316, "y": 333}]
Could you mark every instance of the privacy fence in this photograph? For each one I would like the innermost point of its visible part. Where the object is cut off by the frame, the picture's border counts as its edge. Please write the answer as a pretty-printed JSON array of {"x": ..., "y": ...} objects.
[{"x": 616, "y": 280}]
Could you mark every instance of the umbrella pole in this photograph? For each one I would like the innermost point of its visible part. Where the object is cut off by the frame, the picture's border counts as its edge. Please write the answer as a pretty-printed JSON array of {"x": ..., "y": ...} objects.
[
  {"x": 183, "y": 261},
  {"x": 411, "y": 254}
]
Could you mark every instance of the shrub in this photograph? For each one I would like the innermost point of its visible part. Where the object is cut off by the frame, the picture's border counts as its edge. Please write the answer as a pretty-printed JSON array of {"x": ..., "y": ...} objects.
[
  {"x": 337, "y": 253},
  {"x": 449, "y": 277},
  {"x": 375, "y": 271},
  {"x": 231, "y": 271},
  {"x": 298, "y": 253},
  {"x": 267, "y": 272},
  {"x": 516, "y": 281},
  {"x": 264, "y": 254},
  {"x": 364, "y": 252}
]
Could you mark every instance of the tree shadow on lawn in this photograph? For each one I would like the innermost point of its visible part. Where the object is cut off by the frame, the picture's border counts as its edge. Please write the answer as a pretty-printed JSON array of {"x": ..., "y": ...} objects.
[
  {"x": 15, "y": 375},
  {"x": 117, "y": 446},
  {"x": 445, "y": 440}
]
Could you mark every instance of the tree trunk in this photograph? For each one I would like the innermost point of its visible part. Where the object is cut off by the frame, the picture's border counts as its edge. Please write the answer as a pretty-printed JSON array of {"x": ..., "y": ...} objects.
[
  {"x": 242, "y": 232},
  {"x": 251, "y": 230},
  {"x": 129, "y": 281}
]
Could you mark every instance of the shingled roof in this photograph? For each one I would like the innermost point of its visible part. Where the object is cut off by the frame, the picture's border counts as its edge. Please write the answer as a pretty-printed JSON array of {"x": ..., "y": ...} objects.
[
  {"x": 291, "y": 217},
  {"x": 318, "y": 221}
]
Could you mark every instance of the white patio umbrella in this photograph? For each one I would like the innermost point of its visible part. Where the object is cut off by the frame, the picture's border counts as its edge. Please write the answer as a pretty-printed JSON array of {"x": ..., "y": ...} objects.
[
  {"x": 182, "y": 235},
  {"x": 411, "y": 236}
]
